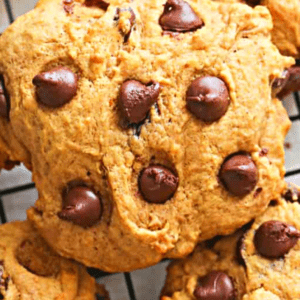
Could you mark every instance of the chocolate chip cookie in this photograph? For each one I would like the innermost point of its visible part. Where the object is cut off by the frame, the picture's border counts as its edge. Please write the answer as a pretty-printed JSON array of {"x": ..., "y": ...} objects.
[
  {"x": 259, "y": 262},
  {"x": 286, "y": 20},
  {"x": 29, "y": 269},
  {"x": 149, "y": 124}
]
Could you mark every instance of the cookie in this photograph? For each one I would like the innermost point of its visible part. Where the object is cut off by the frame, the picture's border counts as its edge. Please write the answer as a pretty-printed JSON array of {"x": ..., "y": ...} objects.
[
  {"x": 148, "y": 131},
  {"x": 29, "y": 269},
  {"x": 286, "y": 28},
  {"x": 262, "y": 263}
]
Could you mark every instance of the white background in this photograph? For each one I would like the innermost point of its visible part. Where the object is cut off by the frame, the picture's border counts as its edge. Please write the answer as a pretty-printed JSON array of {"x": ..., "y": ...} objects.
[{"x": 148, "y": 282}]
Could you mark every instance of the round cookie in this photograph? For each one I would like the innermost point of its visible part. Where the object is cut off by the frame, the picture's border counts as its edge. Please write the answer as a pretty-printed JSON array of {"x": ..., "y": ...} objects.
[
  {"x": 261, "y": 264},
  {"x": 29, "y": 269},
  {"x": 140, "y": 123}
]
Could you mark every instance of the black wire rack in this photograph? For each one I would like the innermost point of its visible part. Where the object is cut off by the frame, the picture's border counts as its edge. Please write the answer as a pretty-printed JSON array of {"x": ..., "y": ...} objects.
[{"x": 94, "y": 272}]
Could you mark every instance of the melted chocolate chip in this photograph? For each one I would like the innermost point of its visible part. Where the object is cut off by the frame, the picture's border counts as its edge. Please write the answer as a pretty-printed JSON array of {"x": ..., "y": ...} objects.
[
  {"x": 215, "y": 286},
  {"x": 157, "y": 184},
  {"x": 208, "y": 98},
  {"x": 55, "y": 87},
  {"x": 98, "y": 297},
  {"x": 178, "y": 16},
  {"x": 81, "y": 206},
  {"x": 4, "y": 100},
  {"x": 293, "y": 82},
  {"x": 136, "y": 99},
  {"x": 132, "y": 18},
  {"x": 239, "y": 174},
  {"x": 274, "y": 239},
  {"x": 97, "y": 3}
]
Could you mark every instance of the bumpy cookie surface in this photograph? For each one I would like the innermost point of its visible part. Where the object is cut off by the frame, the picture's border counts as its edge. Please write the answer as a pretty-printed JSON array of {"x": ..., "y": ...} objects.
[
  {"x": 286, "y": 23},
  {"x": 149, "y": 124},
  {"x": 262, "y": 264},
  {"x": 29, "y": 269}
]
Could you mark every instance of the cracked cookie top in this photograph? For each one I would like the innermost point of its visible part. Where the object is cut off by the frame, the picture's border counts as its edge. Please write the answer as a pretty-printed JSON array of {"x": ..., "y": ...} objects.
[{"x": 149, "y": 125}]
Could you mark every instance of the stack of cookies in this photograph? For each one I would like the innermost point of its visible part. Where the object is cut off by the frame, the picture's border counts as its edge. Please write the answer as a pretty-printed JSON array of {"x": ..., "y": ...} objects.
[{"x": 152, "y": 126}]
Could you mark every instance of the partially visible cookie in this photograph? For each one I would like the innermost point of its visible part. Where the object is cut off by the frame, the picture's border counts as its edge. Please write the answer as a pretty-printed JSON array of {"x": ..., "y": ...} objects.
[
  {"x": 286, "y": 23},
  {"x": 261, "y": 264},
  {"x": 29, "y": 269}
]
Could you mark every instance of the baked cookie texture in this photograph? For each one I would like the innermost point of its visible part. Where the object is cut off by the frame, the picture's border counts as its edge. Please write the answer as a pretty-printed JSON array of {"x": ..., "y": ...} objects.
[
  {"x": 286, "y": 20},
  {"x": 145, "y": 130},
  {"x": 260, "y": 262},
  {"x": 29, "y": 269}
]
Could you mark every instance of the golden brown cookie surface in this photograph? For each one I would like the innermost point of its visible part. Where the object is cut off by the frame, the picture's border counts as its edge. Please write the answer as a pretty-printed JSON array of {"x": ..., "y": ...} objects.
[
  {"x": 286, "y": 20},
  {"x": 29, "y": 269},
  {"x": 262, "y": 264},
  {"x": 136, "y": 119}
]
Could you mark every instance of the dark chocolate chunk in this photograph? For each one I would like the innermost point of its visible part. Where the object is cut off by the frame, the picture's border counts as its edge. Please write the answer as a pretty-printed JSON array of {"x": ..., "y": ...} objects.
[
  {"x": 97, "y": 3},
  {"x": 136, "y": 99},
  {"x": 55, "y": 87},
  {"x": 157, "y": 184},
  {"x": 293, "y": 82},
  {"x": 208, "y": 98},
  {"x": 4, "y": 100},
  {"x": 132, "y": 18},
  {"x": 179, "y": 16},
  {"x": 239, "y": 174},
  {"x": 81, "y": 206},
  {"x": 215, "y": 286},
  {"x": 274, "y": 239}
]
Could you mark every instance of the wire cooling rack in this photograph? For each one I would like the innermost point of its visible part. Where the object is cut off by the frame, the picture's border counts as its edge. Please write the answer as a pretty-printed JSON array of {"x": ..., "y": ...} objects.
[{"x": 8, "y": 10}]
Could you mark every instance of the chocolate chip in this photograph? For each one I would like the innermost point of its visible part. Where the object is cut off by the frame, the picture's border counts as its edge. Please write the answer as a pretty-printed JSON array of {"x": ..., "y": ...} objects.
[
  {"x": 4, "y": 100},
  {"x": 274, "y": 239},
  {"x": 215, "y": 286},
  {"x": 293, "y": 82},
  {"x": 122, "y": 11},
  {"x": 263, "y": 152},
  {"x": 97, "y": 3},
  {"x": 253, "y": 2},
  {"x": 136, "y": 99},
  {"x": 180, "y": 17},
  {"x": 55, "y": 87},
  {"x": 292, "y": 194},
  {"x": 239, "y": 174},
  {"x": 279, "y": 83},
  {"x": 208, "y": 98},
  {"x": 68, "y": 6},
  {"x": 157, "y": 184},
  {"x": 98, "y": 297},
  {"x": 81, "y": 206}
]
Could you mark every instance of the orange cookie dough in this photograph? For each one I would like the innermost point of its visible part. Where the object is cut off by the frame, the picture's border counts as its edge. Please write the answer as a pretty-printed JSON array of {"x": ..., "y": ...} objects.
[
  {"x": 149, "y": 125},
  {"x": 29, "y": 269}
]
